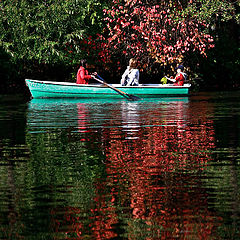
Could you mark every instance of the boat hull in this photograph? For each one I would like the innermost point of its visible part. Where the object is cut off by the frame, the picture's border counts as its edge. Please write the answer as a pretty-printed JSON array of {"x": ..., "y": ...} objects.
[{"x": 47, "y": 89}]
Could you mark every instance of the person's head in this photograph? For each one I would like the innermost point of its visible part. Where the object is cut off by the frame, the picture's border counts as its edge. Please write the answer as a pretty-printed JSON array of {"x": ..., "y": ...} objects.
[
  {"x": 132, "y": 63},
  {"x": 180, "y": 68},
  {"x": 83, "y": 63}
]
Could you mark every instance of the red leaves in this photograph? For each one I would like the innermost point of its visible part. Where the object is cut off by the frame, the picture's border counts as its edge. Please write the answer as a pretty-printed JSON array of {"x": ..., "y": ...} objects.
[{"x": 151, "y": 31}]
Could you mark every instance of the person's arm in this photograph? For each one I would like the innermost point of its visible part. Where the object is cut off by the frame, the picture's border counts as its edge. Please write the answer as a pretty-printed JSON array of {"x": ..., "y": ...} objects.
[
  {"x": 78, "y": 77},
  {"x": 138, "y": 74},
  {"x": 124, "y": 76},
  {"x": 137, "y": 77},
  {"x": 84, "y": 74},
  {"x": 171, "y": 79}
]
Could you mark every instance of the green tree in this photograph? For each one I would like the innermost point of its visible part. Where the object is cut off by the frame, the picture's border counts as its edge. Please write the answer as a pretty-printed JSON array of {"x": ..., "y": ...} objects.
[
  {"x": 220, "y": 68},
  {"x": 47, "y": 31},
  {"x": 39, "y": 35}
]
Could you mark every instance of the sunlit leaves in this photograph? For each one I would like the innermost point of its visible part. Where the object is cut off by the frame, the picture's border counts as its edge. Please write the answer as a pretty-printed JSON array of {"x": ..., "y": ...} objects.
[
  {"x": 160, "y": 31},
  {"x": 48, "y": 31},
  {"x": 209, "y": 11}
]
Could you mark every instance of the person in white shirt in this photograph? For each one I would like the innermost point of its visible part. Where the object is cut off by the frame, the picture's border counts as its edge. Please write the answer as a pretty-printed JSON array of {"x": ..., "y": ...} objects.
[{"x": 131, "y": 75}]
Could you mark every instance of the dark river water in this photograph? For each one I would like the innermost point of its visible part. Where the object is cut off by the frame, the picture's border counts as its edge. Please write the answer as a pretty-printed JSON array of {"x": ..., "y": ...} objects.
[{"x": 115, "y": 169}]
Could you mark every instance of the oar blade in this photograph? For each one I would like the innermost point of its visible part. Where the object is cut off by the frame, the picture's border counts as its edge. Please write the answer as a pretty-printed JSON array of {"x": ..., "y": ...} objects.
[{"x": 133, "y": 97}]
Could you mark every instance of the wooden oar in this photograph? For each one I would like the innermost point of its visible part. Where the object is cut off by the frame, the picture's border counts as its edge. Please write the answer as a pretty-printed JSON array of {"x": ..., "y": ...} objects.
[{"x": 127, "y": 96}]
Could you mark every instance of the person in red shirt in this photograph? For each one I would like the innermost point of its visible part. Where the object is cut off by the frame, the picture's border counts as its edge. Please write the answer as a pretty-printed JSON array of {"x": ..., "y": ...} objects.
[
  {"x": 82, "y": 75},
  {"x": 180, "y": 77}
]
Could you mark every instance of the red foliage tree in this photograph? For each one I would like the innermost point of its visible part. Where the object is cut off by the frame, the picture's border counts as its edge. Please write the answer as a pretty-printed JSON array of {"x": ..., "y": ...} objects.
[{"x": 154, "y": 31}]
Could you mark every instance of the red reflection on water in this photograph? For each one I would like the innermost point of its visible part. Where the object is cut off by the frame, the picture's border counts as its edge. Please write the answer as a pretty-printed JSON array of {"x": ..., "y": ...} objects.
[
  {"x": 104, "y": 216},
  {"x": 67, "y": 222},
  {"x": 82, "y": 118},
  {"x": 163, "y": 170},
  {"x": 155, "y": 178}
]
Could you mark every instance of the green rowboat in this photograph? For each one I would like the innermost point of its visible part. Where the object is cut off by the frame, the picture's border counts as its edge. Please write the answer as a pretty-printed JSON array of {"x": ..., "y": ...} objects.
[{"x": 47, "y": 89}]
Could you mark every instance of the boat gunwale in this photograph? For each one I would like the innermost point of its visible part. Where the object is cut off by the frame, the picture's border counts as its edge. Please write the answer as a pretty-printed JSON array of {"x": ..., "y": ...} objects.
[{"x": 103, "y": 86}]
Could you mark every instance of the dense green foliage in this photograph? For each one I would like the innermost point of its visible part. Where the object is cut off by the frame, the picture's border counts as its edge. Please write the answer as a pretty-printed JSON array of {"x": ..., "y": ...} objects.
[
  {"x": 42, "y": 38},
  {"x": 46, "y": 31},
  {"x": 221, "y": 67},
  {"x": 46, "y": 39}
]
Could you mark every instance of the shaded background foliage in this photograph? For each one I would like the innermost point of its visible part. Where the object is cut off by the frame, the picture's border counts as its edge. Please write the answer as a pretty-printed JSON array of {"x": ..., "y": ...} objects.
[{"x": 46, "y": 40}]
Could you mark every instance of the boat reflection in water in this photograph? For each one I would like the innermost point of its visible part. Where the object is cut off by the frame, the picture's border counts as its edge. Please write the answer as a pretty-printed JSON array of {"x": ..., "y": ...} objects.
[{"x": 154, "y": 156}]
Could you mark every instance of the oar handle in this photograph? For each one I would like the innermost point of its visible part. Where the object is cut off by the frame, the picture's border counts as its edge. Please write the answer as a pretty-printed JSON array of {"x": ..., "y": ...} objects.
[
  {"x": 128, "y": 96},
  {"x": 170, "y": 79},
  {"x": 110, "y": 86},
  {"x": 100, "y": 78}
]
